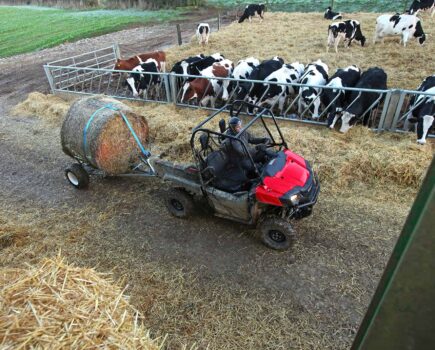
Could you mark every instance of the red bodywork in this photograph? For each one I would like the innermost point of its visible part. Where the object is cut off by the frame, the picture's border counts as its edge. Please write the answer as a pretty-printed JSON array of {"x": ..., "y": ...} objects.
[{"x": 294, "y": 173}]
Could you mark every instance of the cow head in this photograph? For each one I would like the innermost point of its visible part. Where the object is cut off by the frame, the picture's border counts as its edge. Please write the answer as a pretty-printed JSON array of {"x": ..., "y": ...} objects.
[
  {"x": 310, "y": 97},
  {"x": 422, "y": 39},
  {"x": 425, "y": 120},
  {"x": 332, "y": 119},
  {"x": 419, "y": 33},
  {"x": 118, "y": 65},
  {"x": 133, "y": 82},
  {"x": 188, "y": 93},
  {"x": 348, "y": 120}
]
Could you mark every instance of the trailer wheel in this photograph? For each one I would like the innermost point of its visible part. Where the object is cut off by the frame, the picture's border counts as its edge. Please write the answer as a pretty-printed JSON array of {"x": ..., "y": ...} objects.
[
  {"x": 77, "y": 176},
  {"x": 277, "y": 233},
  {"x": 179, "y": 203}
]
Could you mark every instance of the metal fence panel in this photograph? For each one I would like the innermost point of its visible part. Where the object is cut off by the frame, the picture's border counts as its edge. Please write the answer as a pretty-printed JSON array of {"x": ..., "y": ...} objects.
[
  {"x": 404, "y": 109},
  {"x": 92, "y": 73},
  {"x": 291, "y": 108}
]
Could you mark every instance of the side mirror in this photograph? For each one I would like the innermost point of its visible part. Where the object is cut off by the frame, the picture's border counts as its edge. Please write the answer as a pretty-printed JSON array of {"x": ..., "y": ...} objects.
[{"x": 222, "y": 126}]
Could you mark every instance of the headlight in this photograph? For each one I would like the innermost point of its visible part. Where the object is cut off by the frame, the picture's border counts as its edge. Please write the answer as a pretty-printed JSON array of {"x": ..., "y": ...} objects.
[{"x": 295, "y": 199}]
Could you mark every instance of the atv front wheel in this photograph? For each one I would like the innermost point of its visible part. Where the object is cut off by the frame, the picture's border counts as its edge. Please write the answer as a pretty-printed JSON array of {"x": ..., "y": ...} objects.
[
  {"x": 179, "y": 203},
  {"x": 277, "y": 233}
]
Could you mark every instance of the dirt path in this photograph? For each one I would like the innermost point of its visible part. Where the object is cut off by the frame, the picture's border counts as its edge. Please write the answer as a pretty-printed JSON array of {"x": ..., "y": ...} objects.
[
  {"x": 127, "y": 226},
  {"x": 22, "y": 74}
]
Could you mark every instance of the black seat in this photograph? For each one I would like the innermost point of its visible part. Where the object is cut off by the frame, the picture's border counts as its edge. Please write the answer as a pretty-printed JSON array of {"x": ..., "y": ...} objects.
[{"x": 223, "y": 174}]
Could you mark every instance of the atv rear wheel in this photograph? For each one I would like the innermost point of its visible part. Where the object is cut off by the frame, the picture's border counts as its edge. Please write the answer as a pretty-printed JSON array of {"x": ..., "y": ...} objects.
[
  {"x": 179, "y": 203},
  {"x": 77, "y": 176},
  {"x": 277, "y": 233}
]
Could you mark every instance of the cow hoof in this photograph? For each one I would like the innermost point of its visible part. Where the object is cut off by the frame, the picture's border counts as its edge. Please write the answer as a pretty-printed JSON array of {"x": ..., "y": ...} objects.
[{"x": 421, "y": 142}]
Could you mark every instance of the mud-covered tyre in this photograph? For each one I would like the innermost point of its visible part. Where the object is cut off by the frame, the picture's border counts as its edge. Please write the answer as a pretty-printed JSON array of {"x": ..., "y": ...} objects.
[
  {"x": 179, "y": 203},
  {"x": 277, "y": 233},
  {"x": 77, "y": 176}
]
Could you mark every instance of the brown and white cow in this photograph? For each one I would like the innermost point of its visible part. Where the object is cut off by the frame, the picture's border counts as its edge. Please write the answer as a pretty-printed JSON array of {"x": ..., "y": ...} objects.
[
  {"x": 206, "y": 90},
  {"x": 130, "y": 63}
]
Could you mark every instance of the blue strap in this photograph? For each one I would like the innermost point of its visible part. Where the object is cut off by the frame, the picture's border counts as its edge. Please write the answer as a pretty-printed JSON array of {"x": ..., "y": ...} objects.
[{"x": 146, "y": 153}]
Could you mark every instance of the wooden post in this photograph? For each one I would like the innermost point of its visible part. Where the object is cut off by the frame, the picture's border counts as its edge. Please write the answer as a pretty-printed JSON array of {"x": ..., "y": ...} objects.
[
  {"x": 180, "y": 42},
  {"x": 219, "y": 21},
  {"x": 391, "y": 111}
]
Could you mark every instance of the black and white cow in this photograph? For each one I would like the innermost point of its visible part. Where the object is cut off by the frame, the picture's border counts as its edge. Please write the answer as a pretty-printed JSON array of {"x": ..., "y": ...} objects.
[
  {"x": 361, "y": 102},
  {"x": 242, "y": 71},
  {"x": 329, "y": 14},
  {"x": 287, "y": 74},
  {"x": 347, "y": 30},
  {"x": 422, "y": 5},
  {"x": 423, "y": 109},
  {"x": 336, "y": 99},
  {"x": 203, "y": 33},
  {"x": 181, "y": 66},
  {"x": 195, "y": 68},
  {"x": 407, "y": 26},
  {"x": 245, "y": 67},
  {"x": 253, "y": 92},
  {"x": 140, "y": 81},
  {"x": 251, "y": 10},
  {"x": 316, "y": 73}
]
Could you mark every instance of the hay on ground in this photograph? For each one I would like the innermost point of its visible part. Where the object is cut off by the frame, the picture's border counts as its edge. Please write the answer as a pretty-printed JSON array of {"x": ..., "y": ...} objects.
[
  {"x": 302, "y": 37},
  {"x": 58, "y": 306},
  {"x": 110, "y": 146},
  {"x": 360, "y": 155},
  {"x": 49, "y": 108}
]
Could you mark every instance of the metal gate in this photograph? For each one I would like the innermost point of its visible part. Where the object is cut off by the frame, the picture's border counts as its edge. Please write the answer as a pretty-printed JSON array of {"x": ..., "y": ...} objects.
[
  {"x": 286, "y": 106},
  {"x": 92, "y": 73}
]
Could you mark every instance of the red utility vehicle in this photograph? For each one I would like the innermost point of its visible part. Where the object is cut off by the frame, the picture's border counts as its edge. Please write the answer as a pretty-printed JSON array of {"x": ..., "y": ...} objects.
[{"x": 275, "y": 192}]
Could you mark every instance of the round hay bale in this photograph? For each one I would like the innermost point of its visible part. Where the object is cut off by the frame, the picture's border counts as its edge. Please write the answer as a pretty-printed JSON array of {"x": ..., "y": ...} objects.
[{"x": 110, "y": 146}]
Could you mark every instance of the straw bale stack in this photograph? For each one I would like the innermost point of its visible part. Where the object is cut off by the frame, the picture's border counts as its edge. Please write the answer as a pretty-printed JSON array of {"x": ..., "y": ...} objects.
[
  {"x": 58, "y": 306},
  {"x": 110, "y": 146}
]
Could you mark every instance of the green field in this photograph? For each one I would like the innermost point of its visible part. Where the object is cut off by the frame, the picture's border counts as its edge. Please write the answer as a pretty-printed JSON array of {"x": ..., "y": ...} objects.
[
  {"x": 320, "y": 5},
  {"x": 25, "y": 29}
]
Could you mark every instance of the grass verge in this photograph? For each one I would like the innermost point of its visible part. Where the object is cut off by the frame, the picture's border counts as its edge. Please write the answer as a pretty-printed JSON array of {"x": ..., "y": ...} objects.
[{"x": 25, "y": 29}]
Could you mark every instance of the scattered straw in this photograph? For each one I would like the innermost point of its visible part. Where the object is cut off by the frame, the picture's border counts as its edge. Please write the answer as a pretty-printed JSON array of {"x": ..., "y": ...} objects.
[
  {"x": 50, "y": 108},
  {"x": 359, "y": 155},
  {"x": 57, "y": 306},
  {"x": 302, "y": 37}
]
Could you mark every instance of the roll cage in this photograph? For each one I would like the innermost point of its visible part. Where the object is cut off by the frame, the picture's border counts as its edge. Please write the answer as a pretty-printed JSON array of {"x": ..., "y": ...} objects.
[{"x": 210, "y": 140}]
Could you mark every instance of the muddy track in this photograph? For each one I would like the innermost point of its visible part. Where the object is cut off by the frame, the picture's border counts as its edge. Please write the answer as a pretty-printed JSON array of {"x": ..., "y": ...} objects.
[
  {"x": 33, "y": 165},
  {"x": 22, "y": 74}
]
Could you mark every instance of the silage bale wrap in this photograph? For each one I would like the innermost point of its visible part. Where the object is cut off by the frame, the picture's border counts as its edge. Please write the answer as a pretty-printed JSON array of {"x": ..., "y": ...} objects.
[{"x": 95, "y": 132}]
